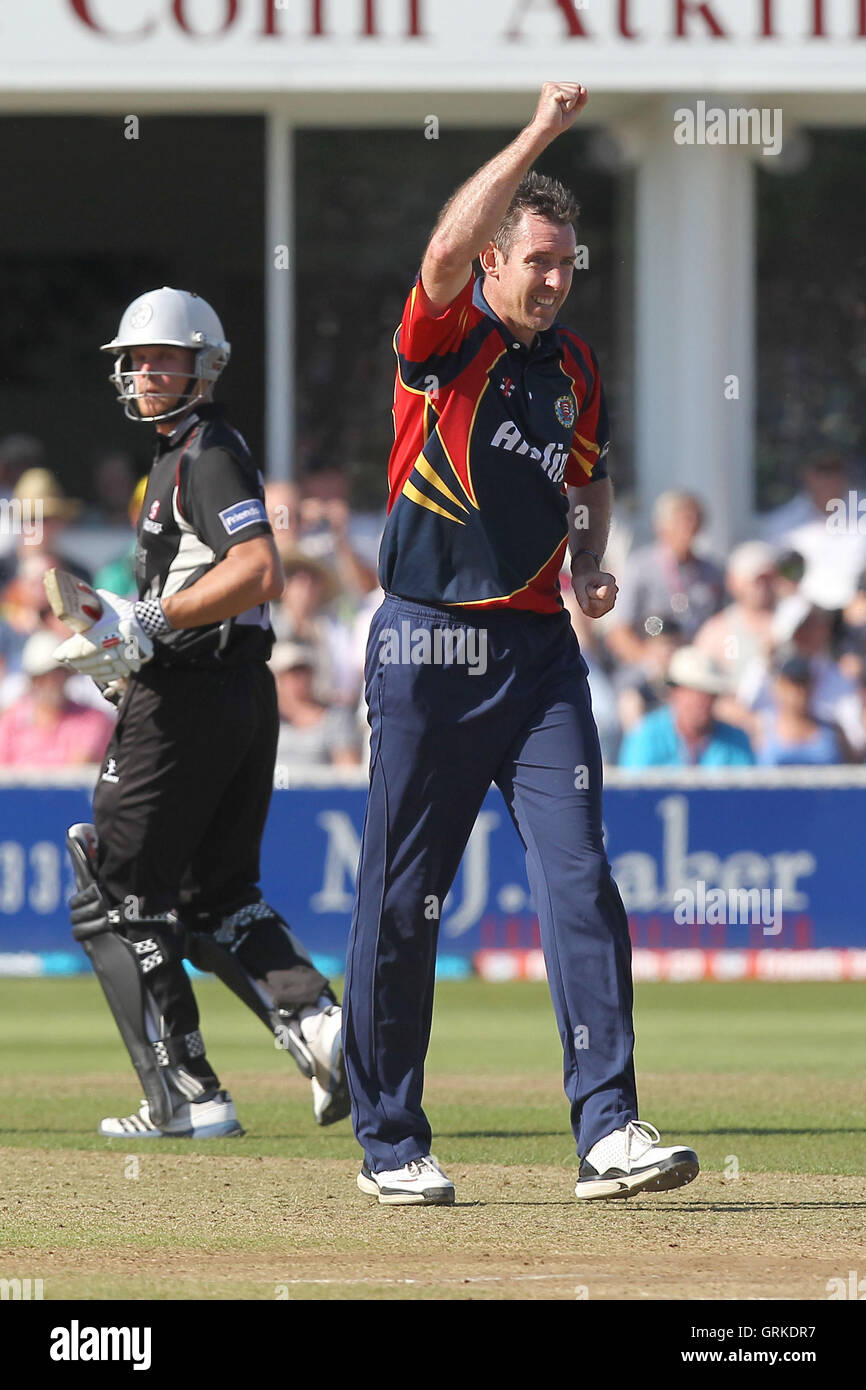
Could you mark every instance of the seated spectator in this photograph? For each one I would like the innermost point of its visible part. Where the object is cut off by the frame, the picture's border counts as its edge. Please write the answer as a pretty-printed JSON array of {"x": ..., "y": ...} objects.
[
  {"x": 303, "y": 615},
  {"x": 317, "y": 523},
  {"x": 23, "y": 604},
  {"x": 311, "y": 734},
  {"x": 640, "y": 689},
  {"x": 684, "y": 732},
  {"x": 834, "y": 554},
  {"x": 742, "y": 632},
  {"x": 852, "y": 646},
  {"x": 788, "y": 574},
  {"x": 41, "y": 511},
  {"x": 790, "y": 733},
  {"x": 808, "y": 629},
  {"x": 663, "y": 582},
  {"x": 43, "y": 727}
]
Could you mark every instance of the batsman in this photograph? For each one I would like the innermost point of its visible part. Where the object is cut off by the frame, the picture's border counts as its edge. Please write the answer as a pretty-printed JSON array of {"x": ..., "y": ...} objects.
[
  {"x": 500, "y": 451},
  {"x": 170, "y": 867}
]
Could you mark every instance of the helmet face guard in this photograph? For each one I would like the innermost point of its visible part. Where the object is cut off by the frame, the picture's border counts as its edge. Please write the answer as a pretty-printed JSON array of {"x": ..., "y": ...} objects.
[{"x": 168, "y": 318}]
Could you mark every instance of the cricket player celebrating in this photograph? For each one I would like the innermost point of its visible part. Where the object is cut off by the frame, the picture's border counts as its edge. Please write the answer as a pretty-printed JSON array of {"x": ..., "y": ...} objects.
[
  {"x": 171, "y": 867},
  {"x": 500, "y": 437}
]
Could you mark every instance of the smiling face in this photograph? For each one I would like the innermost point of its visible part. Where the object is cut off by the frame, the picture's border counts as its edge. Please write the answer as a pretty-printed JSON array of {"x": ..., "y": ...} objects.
[{"x": 528, "y": 285}]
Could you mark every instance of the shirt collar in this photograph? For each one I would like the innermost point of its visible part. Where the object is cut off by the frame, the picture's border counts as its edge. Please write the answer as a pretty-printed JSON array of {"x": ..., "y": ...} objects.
[
  {"x": 166, "y": 442},
  {"x": 546, "y": 344}
]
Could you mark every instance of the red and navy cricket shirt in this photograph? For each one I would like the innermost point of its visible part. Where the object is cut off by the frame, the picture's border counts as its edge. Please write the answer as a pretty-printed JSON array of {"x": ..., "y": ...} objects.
[{"x": 487, "y": 434}]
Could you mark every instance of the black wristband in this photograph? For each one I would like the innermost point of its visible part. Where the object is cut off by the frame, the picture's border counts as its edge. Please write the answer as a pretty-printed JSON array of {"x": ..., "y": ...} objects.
[{"x": 583, "y": 551}]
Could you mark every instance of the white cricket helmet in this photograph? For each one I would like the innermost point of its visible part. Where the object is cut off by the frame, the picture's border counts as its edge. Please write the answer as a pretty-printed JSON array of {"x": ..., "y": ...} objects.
[{"x": 171, "y": 318}]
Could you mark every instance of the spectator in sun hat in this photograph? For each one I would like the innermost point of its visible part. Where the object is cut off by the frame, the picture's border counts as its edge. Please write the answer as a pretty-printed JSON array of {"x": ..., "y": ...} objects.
[
  {"x": 684, "y": 732},
  {"x": 39, "y": 511},
  {"x": 305, "y": 613}
]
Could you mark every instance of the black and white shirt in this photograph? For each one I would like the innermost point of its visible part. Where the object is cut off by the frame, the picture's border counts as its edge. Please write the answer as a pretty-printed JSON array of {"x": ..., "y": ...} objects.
[{"x": 204, "y": 495}]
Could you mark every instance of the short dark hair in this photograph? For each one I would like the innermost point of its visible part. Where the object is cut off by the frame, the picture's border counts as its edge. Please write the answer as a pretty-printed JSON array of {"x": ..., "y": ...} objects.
[{"x": 541, "y": 196}]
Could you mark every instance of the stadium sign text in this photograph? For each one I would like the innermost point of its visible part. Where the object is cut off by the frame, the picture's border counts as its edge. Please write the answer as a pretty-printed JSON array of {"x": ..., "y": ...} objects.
[{"x": 635, "y": 21}]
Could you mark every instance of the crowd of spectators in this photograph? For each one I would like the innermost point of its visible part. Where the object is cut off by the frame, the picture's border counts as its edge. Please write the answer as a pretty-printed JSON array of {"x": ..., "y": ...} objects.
[{"x": 754, "y": 658}]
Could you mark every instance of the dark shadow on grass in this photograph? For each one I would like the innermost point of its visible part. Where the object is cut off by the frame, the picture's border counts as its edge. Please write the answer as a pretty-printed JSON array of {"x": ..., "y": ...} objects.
[
  {"x": 743, "y": 1206},
  {"x": 811, "y": 1129},
  {"x": 502, "y": 1133},
  {"x": 53, "y": 1133},
  {"x": 647, "y": 1204}
]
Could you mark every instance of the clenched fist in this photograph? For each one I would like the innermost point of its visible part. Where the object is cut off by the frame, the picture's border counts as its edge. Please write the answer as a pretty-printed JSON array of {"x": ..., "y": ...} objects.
[
  {"x": 595, "y": 592},
  {"x": 559, "y": 106}
]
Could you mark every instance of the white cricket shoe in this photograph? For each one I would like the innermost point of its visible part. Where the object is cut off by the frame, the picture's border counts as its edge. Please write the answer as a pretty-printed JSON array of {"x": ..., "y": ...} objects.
[
  {"x": 322, "y": 1032},
  {"x": 206, "y": 1119},
  {"x": 631, "y": 1160},
  {"x": 420, "y": 1182}
]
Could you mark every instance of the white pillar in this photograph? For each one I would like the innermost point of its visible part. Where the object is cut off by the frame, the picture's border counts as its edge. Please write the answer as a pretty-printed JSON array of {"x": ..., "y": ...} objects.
[
  {"x": 695, "y": 324},
  {"x": 279, "y": 299}
]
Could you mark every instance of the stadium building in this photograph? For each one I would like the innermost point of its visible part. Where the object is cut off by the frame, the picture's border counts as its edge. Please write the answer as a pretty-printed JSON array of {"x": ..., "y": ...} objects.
[{"x": 286, "y": 159}]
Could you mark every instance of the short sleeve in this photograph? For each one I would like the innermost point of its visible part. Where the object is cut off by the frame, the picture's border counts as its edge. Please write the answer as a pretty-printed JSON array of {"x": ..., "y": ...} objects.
[
  {"x": 423, "y": 333},
  {"x": 591, "y": 440},
  {"x": 221, "y": 499}
]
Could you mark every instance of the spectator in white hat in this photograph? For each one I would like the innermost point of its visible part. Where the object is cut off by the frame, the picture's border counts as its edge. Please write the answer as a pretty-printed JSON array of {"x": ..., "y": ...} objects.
[{"x": 685, "y": 732}]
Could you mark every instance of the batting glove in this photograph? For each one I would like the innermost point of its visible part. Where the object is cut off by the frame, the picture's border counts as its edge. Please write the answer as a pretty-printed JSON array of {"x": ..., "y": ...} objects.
[{"x": 119, "y": 644}]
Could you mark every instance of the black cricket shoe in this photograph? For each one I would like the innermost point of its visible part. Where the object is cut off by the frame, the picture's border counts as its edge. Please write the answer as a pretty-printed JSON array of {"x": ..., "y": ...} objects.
[{"x": 631, "y": 1160}]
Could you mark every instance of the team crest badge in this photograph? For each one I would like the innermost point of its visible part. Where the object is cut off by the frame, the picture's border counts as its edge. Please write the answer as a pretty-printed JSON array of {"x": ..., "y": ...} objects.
[
  {"x": 140, "y": 317},
  {"x": 564, "y": 408}
]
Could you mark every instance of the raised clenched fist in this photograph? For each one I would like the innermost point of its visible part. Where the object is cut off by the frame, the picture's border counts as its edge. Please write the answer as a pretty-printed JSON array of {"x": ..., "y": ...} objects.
[{"x": 559, "y": 106}]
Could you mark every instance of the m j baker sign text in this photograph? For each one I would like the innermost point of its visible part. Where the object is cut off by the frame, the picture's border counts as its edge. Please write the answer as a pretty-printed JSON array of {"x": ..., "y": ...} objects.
[{"x": 631, "y": 21}]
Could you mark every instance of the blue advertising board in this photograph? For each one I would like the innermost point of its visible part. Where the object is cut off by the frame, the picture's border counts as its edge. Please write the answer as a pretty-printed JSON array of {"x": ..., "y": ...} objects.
[{"x": 684, "y": 854}]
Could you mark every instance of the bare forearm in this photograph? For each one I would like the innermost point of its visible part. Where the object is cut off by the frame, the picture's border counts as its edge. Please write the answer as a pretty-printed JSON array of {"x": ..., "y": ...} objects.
[
  {"x": 472, "y": 216},
  {"x": 469, "y": 221},
  {"x": 589, "y": 513},
  {"x": 230, "y": 588}
]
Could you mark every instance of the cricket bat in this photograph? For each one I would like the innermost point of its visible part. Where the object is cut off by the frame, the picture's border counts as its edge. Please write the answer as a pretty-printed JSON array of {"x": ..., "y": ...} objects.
[
  {"x": 73, "y": 601},
  {"x": 79, "y": 606}
]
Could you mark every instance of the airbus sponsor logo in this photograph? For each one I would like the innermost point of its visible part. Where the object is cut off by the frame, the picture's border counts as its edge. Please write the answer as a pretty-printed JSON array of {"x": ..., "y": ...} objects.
[{"x": 552, "y": 457}]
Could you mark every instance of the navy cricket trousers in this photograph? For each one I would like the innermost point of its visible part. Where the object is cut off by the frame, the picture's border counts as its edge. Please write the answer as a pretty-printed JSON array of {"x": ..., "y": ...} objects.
[{"x": 512, "y": 707}]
